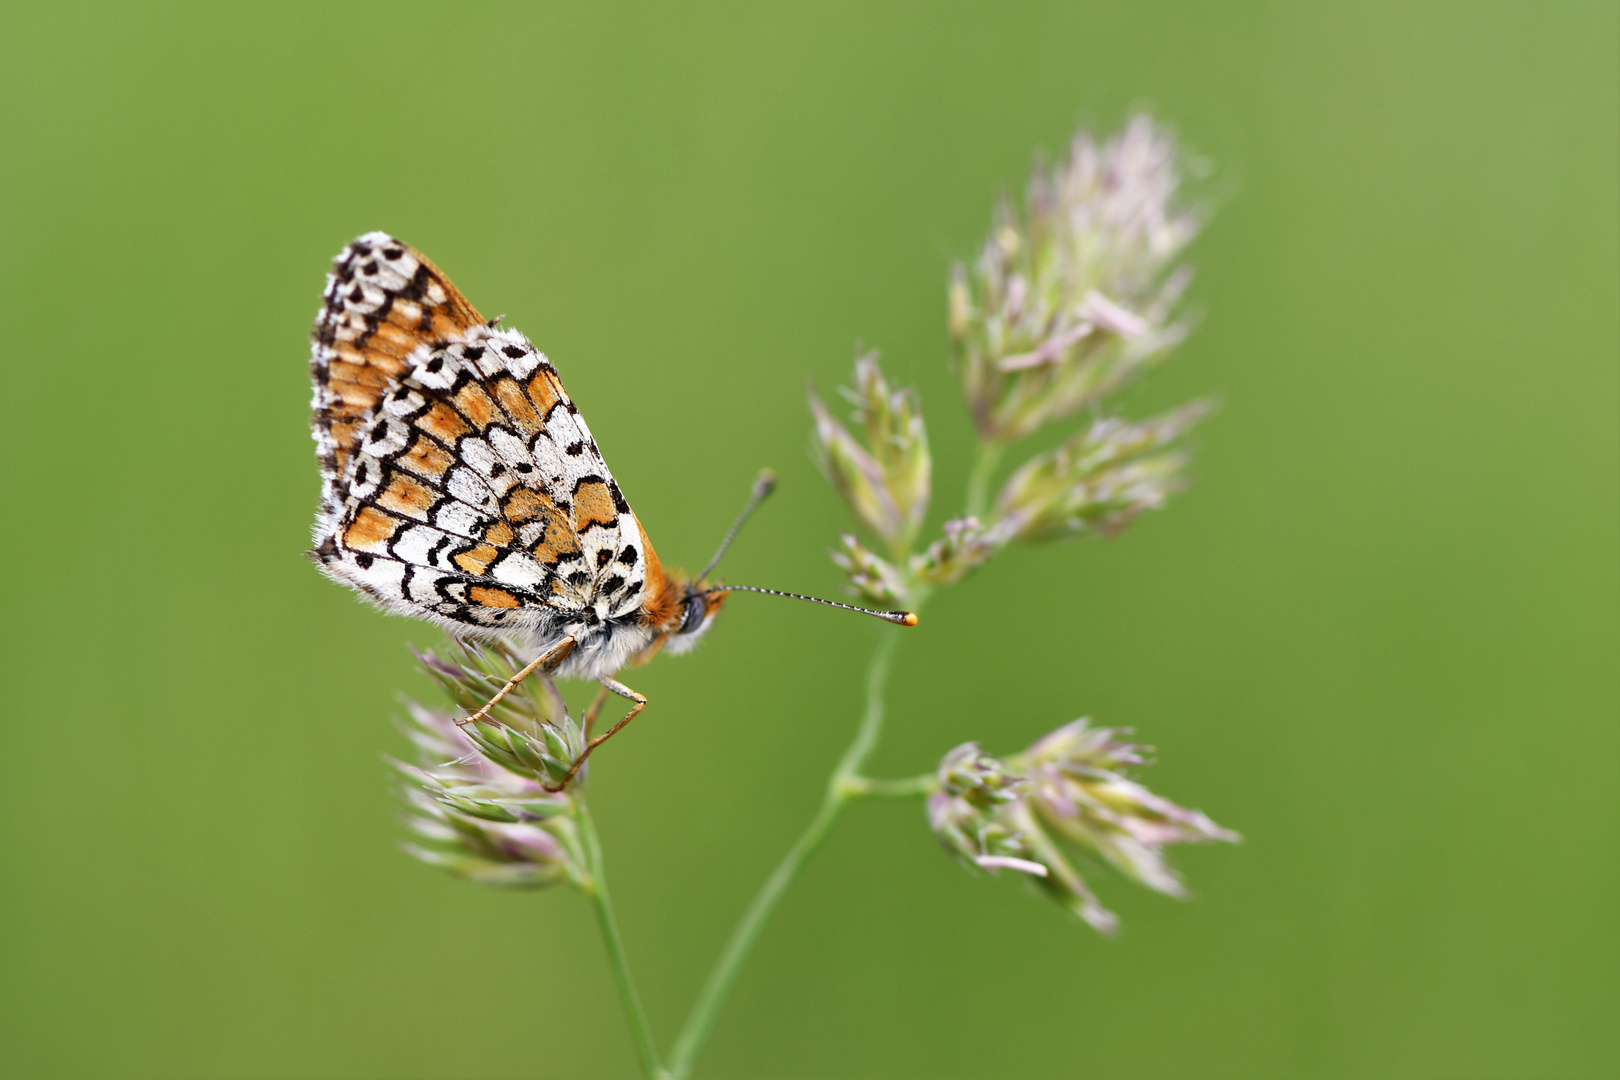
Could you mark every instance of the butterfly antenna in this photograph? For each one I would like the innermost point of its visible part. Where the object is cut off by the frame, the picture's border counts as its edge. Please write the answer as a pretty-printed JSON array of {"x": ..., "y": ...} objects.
[
  {"x": 899, "y": 618},
  {"x": 764, "y": 484}
]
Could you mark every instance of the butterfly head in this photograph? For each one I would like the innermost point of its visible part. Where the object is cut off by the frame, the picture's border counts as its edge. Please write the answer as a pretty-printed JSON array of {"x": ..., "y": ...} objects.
[
  {"x": 678, "y": 609},
  {"x": 682, "y": 610},
  {"x": 698, "y": 607}
]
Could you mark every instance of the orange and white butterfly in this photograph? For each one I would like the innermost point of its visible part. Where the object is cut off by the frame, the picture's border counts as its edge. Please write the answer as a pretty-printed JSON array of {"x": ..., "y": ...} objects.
[{"x": 460, "y": 484}]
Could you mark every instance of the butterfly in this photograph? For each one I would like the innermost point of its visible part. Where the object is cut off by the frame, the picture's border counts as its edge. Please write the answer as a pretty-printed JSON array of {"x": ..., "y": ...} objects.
[{"x": 460, "y": 484}]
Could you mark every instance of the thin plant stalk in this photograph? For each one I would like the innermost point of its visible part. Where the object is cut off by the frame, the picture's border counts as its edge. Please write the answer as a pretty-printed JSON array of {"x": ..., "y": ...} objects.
[
  {"x": 911, "y": 787},
  {"x": 844, "y": 784},
  {"x": 596, "y": 889},
  {"x": 985, "y": 461}
]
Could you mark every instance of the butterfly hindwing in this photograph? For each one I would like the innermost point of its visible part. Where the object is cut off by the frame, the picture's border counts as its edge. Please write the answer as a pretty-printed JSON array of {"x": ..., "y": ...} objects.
[{"x": 460, "y": 482}]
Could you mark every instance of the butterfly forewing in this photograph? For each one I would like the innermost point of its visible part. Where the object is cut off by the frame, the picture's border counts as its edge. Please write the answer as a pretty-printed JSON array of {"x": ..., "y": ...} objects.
[
  {"x": 382, "y": 301},
  {"x": 460, "y": 482}
]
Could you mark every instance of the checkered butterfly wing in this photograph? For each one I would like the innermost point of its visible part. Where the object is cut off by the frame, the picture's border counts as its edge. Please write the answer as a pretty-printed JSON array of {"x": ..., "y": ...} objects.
[{"x": 459, "y": 482}]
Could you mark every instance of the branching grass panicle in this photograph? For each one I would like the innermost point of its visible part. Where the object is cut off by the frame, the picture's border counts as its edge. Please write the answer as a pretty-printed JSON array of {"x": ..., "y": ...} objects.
[{"x": 1074, "y": 295}]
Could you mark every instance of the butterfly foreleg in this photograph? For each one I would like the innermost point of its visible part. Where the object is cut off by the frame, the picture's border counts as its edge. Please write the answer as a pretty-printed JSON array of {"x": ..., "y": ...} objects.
[
  {"x": 623, "y": 691},
  {"x": 548, "y": 660}
]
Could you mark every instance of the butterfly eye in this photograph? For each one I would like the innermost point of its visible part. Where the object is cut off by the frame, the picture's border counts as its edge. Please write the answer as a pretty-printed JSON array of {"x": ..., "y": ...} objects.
[{"x": 696, "y": 610}]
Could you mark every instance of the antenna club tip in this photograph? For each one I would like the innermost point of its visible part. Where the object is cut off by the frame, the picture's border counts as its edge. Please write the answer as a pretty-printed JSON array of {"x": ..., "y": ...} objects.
[
  {"x": 765, "y": 482},
  {"x": 906, "y": 618}
]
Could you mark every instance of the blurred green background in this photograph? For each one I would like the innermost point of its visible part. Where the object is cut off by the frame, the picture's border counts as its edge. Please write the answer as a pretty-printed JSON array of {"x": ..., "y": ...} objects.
[{"x": 1379, "y": 637}]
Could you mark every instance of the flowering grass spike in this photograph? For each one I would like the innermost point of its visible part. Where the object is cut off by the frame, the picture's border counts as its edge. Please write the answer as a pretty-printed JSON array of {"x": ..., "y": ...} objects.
[
  {"x": 1076, "y": 295},
  {"x": 1067, "y": 794},
  {"x": 477, "y": 797}
]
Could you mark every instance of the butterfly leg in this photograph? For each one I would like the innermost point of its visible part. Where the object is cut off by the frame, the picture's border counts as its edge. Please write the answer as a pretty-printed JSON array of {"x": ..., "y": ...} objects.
[
  {"x": 588, "y": 720},
  {"x": 548, "y": 659},
  {"x": 624, "y": 692}
]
